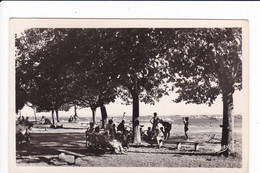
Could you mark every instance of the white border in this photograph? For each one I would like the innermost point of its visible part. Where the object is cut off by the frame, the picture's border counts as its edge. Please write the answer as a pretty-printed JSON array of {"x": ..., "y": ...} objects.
[{"x": 179, "y": 10}]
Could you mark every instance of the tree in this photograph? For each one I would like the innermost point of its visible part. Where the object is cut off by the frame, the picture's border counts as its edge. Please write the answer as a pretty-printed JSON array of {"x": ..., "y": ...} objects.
[
  {"x": 132, "y": 61},
  {"x": 206, "y": 63},
  {"x": 94, "y": 86},
  {"x": 42, "y": 59}
]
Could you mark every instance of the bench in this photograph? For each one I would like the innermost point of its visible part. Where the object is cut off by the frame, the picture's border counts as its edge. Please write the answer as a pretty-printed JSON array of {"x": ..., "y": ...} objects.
[
  {"x": 76, "y": 155},
  {"x": 179, "y": 144},
  {"x": 84, "y": 124}
]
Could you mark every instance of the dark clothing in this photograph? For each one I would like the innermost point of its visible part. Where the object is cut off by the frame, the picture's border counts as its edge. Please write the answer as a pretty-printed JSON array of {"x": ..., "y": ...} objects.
[
  {"x": 155, "y": 122},
  {"x": 186, "y": 128},
  {"x": 136, "y": 122},
  {"x": 167, "y": 126},
  {"x": 121, "y": 127}
]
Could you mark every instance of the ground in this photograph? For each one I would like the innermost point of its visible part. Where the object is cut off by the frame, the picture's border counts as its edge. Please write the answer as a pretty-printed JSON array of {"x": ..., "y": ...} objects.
[{"x": 45, "y": 141}]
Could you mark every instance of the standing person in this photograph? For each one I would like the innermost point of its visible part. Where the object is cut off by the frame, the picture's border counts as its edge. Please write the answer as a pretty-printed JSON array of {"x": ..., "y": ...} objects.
[
  {"x": 123, "y": 116},
  {"x": 186, "y": 128},
  {"x": 154, "y": 121}
]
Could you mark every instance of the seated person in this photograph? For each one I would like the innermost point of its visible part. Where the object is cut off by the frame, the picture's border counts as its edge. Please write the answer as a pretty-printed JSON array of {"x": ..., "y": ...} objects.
[
  {"x": 47, "y": 121},
  {"x": 125, "y": 138},
  {"x": 22, "y": 133},
  {"x": 115, "y": 144},
  {"x": 121, "y": 126},
  {"x": 113, "y": 131},
  {"x": 42, "y": 120},
  {"x": 148, "y": 134},
  {"x": 91, "y": 128},
  {"x": 97, "y": 129}
]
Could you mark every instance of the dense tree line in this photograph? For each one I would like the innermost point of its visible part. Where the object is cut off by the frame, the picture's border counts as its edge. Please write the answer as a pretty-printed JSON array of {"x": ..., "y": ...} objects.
[{"x": 60, "y": 68}]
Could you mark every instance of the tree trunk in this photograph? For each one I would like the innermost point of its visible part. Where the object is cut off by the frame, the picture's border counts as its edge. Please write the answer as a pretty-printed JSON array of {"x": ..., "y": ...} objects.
[
  {"x": 136, "y": 127},
  {"x": 34, "y": 111},
  {"x": 53, "y": 118},
  {"x": 57, "y": 115},
  {"x": 103, "y": 114},
  {"x": 227, "y": 130},
  {"x": 75, "y": 110},
  {"x": 93, "y": 115}
]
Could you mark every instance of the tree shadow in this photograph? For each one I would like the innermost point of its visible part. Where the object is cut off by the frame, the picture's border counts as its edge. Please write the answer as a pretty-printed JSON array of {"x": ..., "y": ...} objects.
[{"x": 50, "y": 143}]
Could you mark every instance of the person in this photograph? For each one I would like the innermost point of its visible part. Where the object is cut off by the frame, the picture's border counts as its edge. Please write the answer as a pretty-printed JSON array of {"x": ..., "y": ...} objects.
[
  {"x": 23, "y": 133},
  {"x": 162, "y": 130},
  {"x": 42, "y": 120},
  {"x": 26, "y": 122},
  {"x": 149, "y": 133},
  {"x": 186, "y": 126},
  {"x": 158, "y": 136},
  {"x": 123, "y": 116},
  {"x": 91, "y": 128},
  {"x": 126, "y": 138},
  {"x": 47, "y": 121},
  {"x": 113, "y": 131},
  {"x": 97, "y": 129},
  {"x": 154, "y": 121},
  {"x": 109, "y": 125},
  {"x": 121, "y": 126},
  {"x": 22, "y": 120},
  {"x": 115, "y": 145},
  {"x": 167, "y": 128},
  {"x": 70, "y": 119}
]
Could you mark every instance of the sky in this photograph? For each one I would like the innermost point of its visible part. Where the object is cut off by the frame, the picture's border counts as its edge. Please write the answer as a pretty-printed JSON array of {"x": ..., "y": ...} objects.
[{"x": 164, "y": 107}]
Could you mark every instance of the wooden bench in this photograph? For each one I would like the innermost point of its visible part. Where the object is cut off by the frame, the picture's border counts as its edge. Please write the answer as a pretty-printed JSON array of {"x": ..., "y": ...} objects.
[
  {"x": 84, "y": 124},
  {"x": 179, "y": 144},
  {"x": 76, "y": 155}
]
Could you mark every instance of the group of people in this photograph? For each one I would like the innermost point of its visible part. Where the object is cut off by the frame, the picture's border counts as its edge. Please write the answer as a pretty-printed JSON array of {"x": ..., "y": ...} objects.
[
  {"x": 158, "y": 134},
  {"x": 114, "y": 137},
  {"x": 73, "y": 118},
  {"x": 44, "y": 120},
  {"x": 119, "y": 135}
]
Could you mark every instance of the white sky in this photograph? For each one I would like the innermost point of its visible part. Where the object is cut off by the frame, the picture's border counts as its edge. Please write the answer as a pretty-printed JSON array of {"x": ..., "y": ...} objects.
[{"x": 164, "y": 107}]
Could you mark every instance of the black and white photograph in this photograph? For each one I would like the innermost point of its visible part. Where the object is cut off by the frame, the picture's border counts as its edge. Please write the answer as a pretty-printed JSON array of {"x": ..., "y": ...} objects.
[{"x": 128, "y": 93}]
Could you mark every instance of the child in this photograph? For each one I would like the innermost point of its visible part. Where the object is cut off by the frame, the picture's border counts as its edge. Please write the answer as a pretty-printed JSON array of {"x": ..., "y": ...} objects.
[
  {"x": 154, "y": 121},
  {"x": 186, "y": 128}
]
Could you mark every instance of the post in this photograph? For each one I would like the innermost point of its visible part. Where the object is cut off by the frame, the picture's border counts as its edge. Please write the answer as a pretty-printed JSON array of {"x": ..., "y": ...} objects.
[{"x": 34, "y": 111}]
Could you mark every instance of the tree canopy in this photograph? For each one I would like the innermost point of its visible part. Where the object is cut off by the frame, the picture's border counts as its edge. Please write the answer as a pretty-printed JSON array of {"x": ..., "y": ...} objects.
[{"x": 92, "y": 67}]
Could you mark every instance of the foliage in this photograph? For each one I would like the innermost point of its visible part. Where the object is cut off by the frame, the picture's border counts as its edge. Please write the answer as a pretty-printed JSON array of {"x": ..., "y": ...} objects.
[{"x": 204, "y": 62}]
